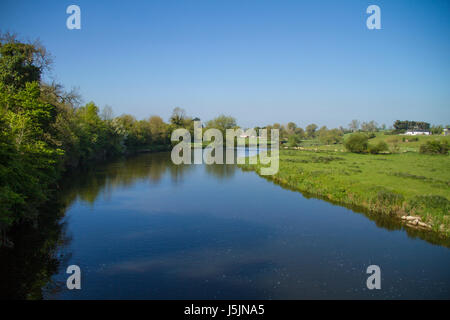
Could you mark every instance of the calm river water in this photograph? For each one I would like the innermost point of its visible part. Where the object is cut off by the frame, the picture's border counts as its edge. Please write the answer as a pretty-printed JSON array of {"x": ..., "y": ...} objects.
[{"x": 143, "y": 228}]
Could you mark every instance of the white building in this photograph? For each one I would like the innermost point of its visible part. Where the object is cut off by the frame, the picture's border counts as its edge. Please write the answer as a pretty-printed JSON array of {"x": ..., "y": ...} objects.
[{"x": 417, "y": 133}]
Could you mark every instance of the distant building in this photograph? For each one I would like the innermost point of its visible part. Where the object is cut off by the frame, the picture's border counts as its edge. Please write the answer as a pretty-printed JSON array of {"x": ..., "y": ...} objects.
[
  {"x": 446, "y": 132},
  {"x": 417, "y": 133}
]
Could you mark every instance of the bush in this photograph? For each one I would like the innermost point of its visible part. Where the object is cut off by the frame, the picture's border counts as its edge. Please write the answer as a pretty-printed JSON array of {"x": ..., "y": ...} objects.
[
  {"x": 389, "y": 198},
  {"x": 431, "y": 201},
  {"x": 434, "y": 147},
  {"x": 378, "y": 148},
  {"x": 357, "y": 143},
  {"x": 412, "y": 139},
  {"x": 293, "y": 140}
]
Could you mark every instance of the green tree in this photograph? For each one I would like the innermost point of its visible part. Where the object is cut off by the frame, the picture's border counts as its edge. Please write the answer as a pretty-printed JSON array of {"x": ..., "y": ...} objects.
[
  {"x": 158, "y": 130},
  {"x": 311, "y": 130},
  {"x": 222, "y": 123},
  {"x": 293, "y": 140},
  {"x": 291, "y": 126},
  {"x": 357, "y": 143},
  {"x": 20, "y": 63},
  {"x": 300, "y": 132},
  {"x": 332, "y": 136}
]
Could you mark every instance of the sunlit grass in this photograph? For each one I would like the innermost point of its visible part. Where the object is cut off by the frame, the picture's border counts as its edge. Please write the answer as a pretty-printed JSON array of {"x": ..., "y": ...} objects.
[{"x": 395, "y": 184}]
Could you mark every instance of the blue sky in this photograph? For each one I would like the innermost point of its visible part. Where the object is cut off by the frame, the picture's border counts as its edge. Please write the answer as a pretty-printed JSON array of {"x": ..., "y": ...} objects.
[{"x": 259, "y": 61}]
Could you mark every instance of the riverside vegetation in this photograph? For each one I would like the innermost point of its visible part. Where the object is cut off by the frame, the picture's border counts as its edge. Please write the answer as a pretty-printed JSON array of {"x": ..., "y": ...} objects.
[
  {"x": 401, "y": 180},
  {"x": 46, "y": 131}
]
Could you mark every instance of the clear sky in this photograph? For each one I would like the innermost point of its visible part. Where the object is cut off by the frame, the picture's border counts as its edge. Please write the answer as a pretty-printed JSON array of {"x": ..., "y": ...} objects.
[{"x": 259, "y": 61}]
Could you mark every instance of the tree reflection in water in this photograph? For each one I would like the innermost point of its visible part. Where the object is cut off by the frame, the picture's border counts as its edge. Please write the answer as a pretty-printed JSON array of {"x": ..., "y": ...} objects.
[{"x": 39, "y": 250}]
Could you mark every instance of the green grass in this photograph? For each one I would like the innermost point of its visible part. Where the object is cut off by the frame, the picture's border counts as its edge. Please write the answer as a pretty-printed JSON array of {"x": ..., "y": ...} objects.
[
  {"x": 409, "y": 145},
  {"x": 393, "y": 141},
  {"x": 392, "y": 184}
]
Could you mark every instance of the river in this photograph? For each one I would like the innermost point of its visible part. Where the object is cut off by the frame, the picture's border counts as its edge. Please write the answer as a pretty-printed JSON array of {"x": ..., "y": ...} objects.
[{"x": 144, "y": 228}]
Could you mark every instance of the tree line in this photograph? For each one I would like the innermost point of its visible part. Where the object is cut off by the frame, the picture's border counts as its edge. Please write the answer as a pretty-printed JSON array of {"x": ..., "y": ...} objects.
[{"x": 44, "y": 130}]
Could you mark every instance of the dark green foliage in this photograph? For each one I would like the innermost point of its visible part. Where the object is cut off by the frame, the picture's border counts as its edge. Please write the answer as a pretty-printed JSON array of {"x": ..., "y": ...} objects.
[
  {"x": 43, "y": 131},
  {"x": 402, "y": 126},
  {"x": 357, "y": 143},
  {"x": 17, "y": 65},
  {"x": 222, "y": 123},
  {"x": 311, "y": 130},
  {"x": 434, "y": 147},
  {"x": 431, "y": 201},
  {"x": 332, "y": 136},
  {"x": 389, "y": 198},
  {"x": 378, "y": 148},
  {"x": 293, "y": 140}
]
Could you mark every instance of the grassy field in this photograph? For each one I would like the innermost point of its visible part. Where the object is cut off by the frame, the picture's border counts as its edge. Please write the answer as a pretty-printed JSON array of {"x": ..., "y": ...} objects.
[
  {"x": 397, "y": 143},
  {"x": 404, "y": 183}
]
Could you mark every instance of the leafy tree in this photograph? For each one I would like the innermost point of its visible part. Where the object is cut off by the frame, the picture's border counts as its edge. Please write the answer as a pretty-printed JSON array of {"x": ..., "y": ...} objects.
[
  {"x": 222, "y": 123},
  {"x": 300, "y": 132},
  {"x": 357, "y": 143},
  {"x": 158, "y": 130},
  {"x": 44, "y": 130},
  {"x": 21, "y": 63},
  {"x": 332, "y": 136},
  {"x": 311, "y": 130},
  {"x": 293, "y": 140},
  {"x": 291, "y": 126}
]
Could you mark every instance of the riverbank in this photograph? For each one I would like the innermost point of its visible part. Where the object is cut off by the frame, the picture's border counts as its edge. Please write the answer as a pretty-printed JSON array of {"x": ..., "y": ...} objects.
[
  {"x": 407, "y": 184},
  {"x": 149, "y": 149}
]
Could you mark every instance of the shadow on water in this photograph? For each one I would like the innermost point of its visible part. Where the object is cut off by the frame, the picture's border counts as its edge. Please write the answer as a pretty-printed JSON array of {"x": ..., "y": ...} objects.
[
  {"x": 381, "y": 220},
  {"x": 34, "y": 254},
  {"x": 40, "y": 250},
  {"x": 35, "y": 251}
]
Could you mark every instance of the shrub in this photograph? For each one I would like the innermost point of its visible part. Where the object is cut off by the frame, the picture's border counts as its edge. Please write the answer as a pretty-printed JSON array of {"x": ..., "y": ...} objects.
[
  {"x": 432, "y": 202},
  {"x": 293, "y": 140},
  {"x": 434, "y": 147},
  {"x": 357, "y": 143},
  {"x": 412, "y": 139},
  {"x": 379, "y": 147},
  {"x": 390, "y": 198}
]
